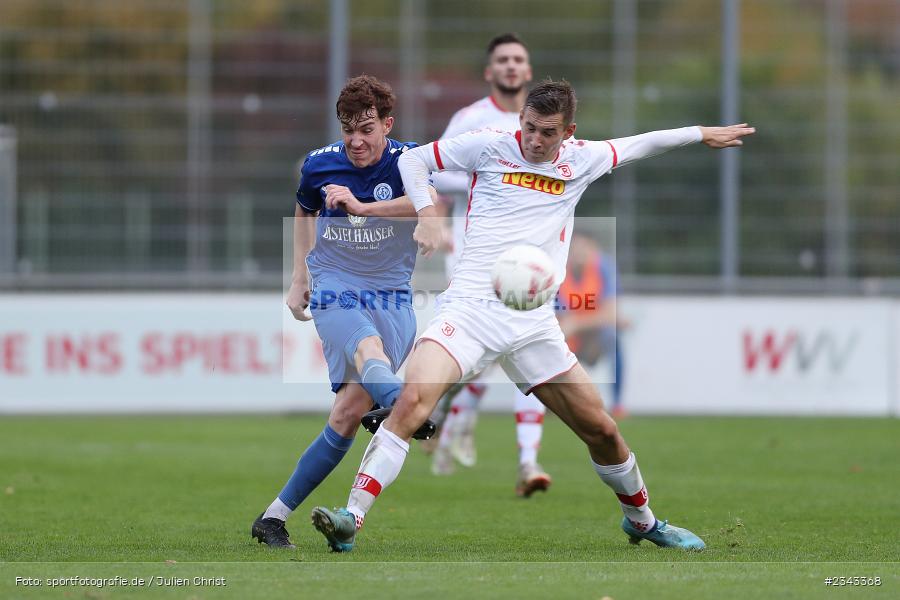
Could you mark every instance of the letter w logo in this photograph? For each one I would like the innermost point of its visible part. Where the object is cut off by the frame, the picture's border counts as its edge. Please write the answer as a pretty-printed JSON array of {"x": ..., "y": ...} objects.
[{"x": 769, "y": 349}]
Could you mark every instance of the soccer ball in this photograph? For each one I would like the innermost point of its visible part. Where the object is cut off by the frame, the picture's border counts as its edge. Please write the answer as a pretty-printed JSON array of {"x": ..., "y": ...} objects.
[{"x": 523, "y": 277}]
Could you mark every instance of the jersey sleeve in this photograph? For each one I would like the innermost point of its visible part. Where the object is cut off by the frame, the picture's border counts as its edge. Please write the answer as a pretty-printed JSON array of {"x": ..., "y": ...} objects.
[
  {"x": 454, "y": 182},
  {"x": 451, "y": 182},
  {"x": 462, "y": 152},
  {"x": 603, "y": 158},
  {"x": 308, "y": 196},
  {"x": 637, "y": 147}
]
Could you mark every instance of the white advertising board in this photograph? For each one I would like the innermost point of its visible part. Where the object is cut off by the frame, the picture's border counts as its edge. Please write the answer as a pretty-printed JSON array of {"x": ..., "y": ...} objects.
[
  {"x": 225, "y": 353},
  {"x": 758, "y": 356},
  {"x": 170, "y": 353}
]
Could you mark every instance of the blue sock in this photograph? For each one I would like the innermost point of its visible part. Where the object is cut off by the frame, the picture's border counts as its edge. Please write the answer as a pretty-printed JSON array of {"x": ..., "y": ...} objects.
[
  {"x": 381, "y": 383},
  {"x": 317, "y": 462}
]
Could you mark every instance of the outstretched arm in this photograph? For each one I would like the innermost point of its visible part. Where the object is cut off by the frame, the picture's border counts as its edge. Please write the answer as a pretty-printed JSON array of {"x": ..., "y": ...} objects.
[{"x": 629, "y": 149}]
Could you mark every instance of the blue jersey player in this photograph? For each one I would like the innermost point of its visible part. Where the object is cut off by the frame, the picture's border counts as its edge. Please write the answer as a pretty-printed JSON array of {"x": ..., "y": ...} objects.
[{"x": 353, "y": 259}]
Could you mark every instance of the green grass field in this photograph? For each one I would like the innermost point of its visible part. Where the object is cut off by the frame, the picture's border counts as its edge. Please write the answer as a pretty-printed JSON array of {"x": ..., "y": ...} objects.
[{"x": 781, "y": 503}]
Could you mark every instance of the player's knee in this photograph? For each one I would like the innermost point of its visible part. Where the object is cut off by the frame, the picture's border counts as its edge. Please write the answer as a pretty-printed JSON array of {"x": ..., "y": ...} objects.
[
  {"x": 409, "y": 396},
  {"x": 345, "y": 418},
  {"x": 369, "y": 347},
  {"x": 603, "y": 432}
]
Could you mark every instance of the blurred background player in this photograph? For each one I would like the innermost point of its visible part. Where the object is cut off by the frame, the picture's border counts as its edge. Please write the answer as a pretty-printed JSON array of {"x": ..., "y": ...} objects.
[
  {"x": 587, "y": 311},
  {"x": 364, "y": 342},
  {"x": 508, "y": 71}
]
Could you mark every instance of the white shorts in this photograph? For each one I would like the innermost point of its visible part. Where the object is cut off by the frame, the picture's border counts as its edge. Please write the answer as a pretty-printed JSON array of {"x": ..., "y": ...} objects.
[{"x": 528, "y": 345}]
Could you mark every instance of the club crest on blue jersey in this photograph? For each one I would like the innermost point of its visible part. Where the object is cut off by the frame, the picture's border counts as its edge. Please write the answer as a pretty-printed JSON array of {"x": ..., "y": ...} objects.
[
  {"x": 368, "y": 252},
  {"x": 383, "y": 191}
]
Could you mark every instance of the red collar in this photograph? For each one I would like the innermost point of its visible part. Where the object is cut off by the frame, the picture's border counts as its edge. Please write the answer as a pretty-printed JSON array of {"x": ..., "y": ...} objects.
[
  {"x": 497, "y": 104},
  {"x": 519, "y": 142}
]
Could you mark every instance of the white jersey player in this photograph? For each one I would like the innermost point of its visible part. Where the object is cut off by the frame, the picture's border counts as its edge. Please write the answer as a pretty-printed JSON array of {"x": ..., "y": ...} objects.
[
  {"x": 508, "y": 70},
  {"x": 455, "y": 185},
  {"x": 526, "y": 187}
]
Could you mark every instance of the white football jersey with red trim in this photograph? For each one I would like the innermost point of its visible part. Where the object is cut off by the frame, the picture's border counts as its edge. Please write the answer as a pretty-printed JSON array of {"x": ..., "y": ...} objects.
[
  {"x": 513, "y": 201},
  {"x": 484, "y": 113}
]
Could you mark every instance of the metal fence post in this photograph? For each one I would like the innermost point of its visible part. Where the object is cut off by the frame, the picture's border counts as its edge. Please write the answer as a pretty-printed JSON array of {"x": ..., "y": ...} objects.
[
  {"x": 837, "y": 227},
  {"x": 239, "y": 231},
  {"x": 8, "y": 199},
  {"x": 338, "y": 57},
  {"x": 412, "y": 50},
  {"x": 623, "y": 184},
  {"x": 138, "y": 228},
  {"x": 729, "y": 173},
  {"x": 37, "y": 238},
  {"x": 199, "y": 114}
]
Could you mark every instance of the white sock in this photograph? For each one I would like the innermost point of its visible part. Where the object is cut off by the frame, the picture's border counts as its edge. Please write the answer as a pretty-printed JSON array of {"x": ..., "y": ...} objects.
[
  {"x": 463, "y": 414},
  {"x": 625, "y": 480},
  {"x": 277, "y": 510},
  {"x": 529, "y": 426},
  {"x": 470, "y": 396},
  {"x": 450, "y": 428},
  {"x": 379, "y": 468}
]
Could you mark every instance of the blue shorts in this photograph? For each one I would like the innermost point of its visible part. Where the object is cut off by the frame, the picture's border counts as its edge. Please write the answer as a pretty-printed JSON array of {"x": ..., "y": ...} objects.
[{"x": 345, "y": 313}]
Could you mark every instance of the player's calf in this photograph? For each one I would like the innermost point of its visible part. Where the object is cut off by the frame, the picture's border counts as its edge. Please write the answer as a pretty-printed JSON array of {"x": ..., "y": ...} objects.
[{"x": 412, "y": 409}]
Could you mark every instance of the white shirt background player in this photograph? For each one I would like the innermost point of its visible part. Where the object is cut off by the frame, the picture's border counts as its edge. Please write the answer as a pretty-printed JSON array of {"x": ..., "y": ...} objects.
[
  {"x": 456, "y": 185},
  {"x": 508, "y": 70}
]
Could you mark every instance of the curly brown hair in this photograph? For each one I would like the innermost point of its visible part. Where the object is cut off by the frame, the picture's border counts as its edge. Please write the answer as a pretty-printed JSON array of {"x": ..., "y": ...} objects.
[{"x": 361, "y": 93}]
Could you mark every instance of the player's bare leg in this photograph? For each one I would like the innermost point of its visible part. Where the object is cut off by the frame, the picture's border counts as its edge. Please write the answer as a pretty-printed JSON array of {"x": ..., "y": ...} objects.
[
  {"x": 574, "y": 398},
  {"x": 367, "y": 349},
  {"x": 351, "y": 402},
  {"x": 430, "y": 373},
  {"x": 377, "y": 376}
]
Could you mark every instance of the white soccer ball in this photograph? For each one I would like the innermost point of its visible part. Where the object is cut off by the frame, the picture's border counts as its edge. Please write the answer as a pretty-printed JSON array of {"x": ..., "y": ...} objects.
[{"x": 523, "y": 277}]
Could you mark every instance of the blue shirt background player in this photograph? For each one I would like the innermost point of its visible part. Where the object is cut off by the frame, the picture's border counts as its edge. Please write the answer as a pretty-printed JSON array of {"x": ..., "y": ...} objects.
[{"x": 353, "y": 257}]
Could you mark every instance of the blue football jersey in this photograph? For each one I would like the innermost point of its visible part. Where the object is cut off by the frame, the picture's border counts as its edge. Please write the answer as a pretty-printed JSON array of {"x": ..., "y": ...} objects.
[{"x": 372, "y": 251}]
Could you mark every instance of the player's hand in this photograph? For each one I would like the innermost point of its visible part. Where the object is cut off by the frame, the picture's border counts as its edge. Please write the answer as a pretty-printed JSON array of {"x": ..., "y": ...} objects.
[
  {"x": 726, "y": 137},
  {"x": 429, "y": 234},
  {"x": 340, "y": 197},
  {"x": 297, "y": 300}
]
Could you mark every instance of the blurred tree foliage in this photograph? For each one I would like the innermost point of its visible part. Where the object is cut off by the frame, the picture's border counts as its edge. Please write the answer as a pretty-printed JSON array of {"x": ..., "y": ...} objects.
[{"x": 98, "y": 92}]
